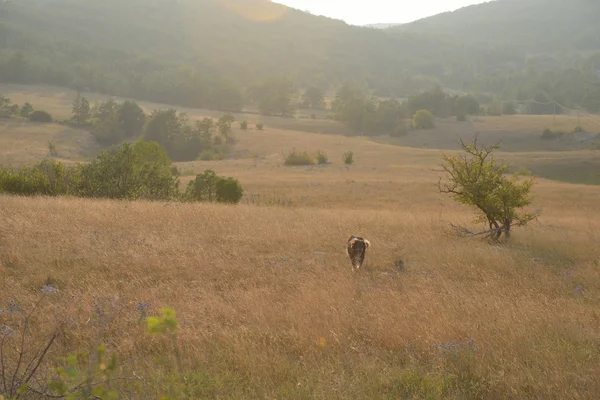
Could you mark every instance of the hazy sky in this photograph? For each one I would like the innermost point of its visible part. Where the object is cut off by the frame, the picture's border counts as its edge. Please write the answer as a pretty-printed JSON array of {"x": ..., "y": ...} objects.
[{"x": 361, "y": 12}]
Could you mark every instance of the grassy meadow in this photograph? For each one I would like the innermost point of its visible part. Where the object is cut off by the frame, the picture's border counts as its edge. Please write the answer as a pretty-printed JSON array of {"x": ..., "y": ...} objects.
[{"x": 266, "y": 301}]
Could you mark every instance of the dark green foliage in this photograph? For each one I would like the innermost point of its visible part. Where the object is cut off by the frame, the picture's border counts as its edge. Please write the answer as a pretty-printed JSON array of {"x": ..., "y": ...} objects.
[
  {"x": 461, "y": 117},
  {"x": 209, "y": 187},
  {"x": 313, "y": 98},
  {"x": 400, "y": 130},
  {"x": 296, "y": 158},
  {"x": 48, "y": 178},
  {"x": 509, "y": 108},
  {"x": 466, "y": 104},
  {"x": 26, "y": 110},
  {"x": 578, "y": 129},
  {"x": 365, "y": 114},
  {"x": 224, "y": 125},
  {"x": 81, "y": 110},
  {"x": 260, "y": 126},
  {"x": 133, "y": 171},
  {"x": 423, "y": 119},
  {"x": 5, "y": 110},
  {"x": 40, "y": 116},
  {"x": 348, "y": 158},
  {"x": 244, "y": 125},
  {"x": 549, "y": 134},
  {"x": 274, "y": 96}
]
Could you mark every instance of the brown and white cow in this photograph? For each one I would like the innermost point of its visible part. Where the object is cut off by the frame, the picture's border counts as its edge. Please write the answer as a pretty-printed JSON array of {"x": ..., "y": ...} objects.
[{"x": 356, "y": 250}]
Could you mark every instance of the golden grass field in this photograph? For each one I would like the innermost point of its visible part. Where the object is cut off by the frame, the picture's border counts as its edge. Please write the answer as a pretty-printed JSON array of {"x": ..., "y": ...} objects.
[{"x": 266, "y": 300}]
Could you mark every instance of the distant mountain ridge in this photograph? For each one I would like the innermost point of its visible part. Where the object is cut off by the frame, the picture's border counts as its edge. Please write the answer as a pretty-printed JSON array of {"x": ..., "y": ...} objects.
[{"x": 213, "y": 53}]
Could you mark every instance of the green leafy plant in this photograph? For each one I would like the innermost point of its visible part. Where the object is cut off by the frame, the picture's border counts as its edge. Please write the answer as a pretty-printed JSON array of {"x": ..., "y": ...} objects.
[
  {"x": 244, "y": 125},
  {"x": 348, "y": 158},
  {"x": 424, "y": 119},
  {"x": 40, "y": 116},
  {"x": 260, "y": 126},
  {"x": 475, "y": 179}
]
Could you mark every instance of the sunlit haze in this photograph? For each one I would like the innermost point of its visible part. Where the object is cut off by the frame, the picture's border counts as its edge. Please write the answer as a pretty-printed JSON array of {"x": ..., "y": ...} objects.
[{"x": 362, "y": 12}]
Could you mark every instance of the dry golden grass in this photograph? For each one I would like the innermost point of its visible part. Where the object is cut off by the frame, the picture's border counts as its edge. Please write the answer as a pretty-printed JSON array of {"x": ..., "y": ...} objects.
[
  {"x": 265, "y": 296},
  {"x": 25, "y": 143}
]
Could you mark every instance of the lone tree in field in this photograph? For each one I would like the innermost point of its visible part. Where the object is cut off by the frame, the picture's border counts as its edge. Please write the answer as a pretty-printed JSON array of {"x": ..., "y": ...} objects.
[{"x": 475, "y": 179}]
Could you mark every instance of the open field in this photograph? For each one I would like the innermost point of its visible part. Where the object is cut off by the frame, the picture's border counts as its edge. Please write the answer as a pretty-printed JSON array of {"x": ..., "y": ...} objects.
[{"x": 266, "y": 301}]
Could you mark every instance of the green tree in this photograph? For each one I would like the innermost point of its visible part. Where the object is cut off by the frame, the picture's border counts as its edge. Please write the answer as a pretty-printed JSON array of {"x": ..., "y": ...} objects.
[
  {"x": 224, "y": 125},
  {"x": 26, "y": 110},
  {"x": 466, "y": 104},
  {"x": 424, "y": 119},
  {"x": 228, "y": 190},
  {"x": 141, "y": 170},
  {"x": 80, "y": 110},
  {"x": 313, "y": 97},
  {"x": 209, "y": 187},
  {"x": 275, "y": 97},
  {"x": 509, "y": 108},
  {"x": 475, "y": 179},
  {"x": 131, "y": 119}
]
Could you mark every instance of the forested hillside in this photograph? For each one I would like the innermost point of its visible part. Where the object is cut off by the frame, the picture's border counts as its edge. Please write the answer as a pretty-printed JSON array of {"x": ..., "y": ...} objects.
[
  {"x": 223, "y": 54},
  {"x": 521, "y": 49}
]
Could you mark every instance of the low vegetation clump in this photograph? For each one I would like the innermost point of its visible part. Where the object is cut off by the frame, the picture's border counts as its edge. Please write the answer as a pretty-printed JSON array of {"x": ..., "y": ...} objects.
[
  {"x": 298, "y": 158},
  {"x": 424, "y": 119},
  {"x": 141, "y": 170},
  {"x": 321, "y": 157},
  {"x": 348, "y": 158},
  {"x": 260, "y": 126},
  {"x": 549, "y": 134},
  {"x": 209, "y": 187},
  {"x": 475, "y": 179},
  {"x": 40, "y": 116},
  {"x": 244, "y": 125}
]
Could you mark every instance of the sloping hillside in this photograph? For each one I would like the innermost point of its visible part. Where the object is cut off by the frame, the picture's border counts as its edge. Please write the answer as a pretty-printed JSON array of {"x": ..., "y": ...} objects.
[
  {"x": 212, "y": 53},
  {"x": 524, "y": 26}
]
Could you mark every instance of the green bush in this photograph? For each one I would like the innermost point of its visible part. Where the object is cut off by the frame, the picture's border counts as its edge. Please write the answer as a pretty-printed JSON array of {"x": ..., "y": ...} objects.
[
  {"x": 424, "y": 119},
  {"x": 244, "y": 125},
  {"x": 209, "y": 187},
  {"x": 348, "y": 158},
  {"x": 399, "y": 131},
  {"x": 26, "y": 110},
  {"x": 547, "y": 134},
  {"x": 40, "y": 116},
  {"x": 461, "y": 117},
  {"x": 211, "y": 155},
  {"x": 578, "y": 129},
  {"x": 295, "y": 158},
  {"x": 321, "y": 157},
  {"x": 133, "y": 171},
  {"x": 47, "y": 178},
  {"x": 260, "y": 126}
]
